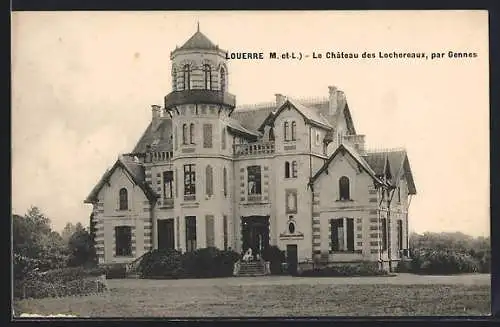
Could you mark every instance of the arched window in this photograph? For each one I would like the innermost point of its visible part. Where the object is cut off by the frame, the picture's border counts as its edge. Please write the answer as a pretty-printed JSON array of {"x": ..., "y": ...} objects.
[
  {"x": 174, "y": 79},
  {"x": 285, "y": 131},
  {"x": 294, "y": 125},
  {"x": 191, "y": 133},
  {"x": 207, "y": 72},
  {"x": 184, "y": 134},
  {"x": 209, "y": 180},
  {"x": 294, "y": 169},
  {"x": 271, "y": 134},
  {"x": 187, "y": 77},
  {"x": 123, "y": 199},
  {"x": 287, "y": 169},
  {"x": 344, "y": 188},
  {"x": 224, "y": 182},
  {"x": 222, "y": 79}
]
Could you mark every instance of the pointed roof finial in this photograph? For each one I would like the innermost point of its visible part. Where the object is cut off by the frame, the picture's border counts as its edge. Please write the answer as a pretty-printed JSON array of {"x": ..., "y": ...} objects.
[{"x": 198, "y": 28}]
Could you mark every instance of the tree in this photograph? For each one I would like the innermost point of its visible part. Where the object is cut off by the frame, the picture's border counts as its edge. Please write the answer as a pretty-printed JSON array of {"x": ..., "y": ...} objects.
[{"x": 82, "y": 250}]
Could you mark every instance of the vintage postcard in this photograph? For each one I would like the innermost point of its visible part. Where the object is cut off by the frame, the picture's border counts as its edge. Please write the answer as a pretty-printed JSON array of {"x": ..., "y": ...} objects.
[{"x": 250, "y": 164}]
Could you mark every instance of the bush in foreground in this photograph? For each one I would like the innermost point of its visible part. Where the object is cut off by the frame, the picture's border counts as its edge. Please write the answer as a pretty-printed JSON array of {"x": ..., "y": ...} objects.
[
  {"x": 346, "y": 270},
  {"x": 276, "y": 257},
  {"x": 41, "y": 289},
  {"x": 441, "y": 262}
]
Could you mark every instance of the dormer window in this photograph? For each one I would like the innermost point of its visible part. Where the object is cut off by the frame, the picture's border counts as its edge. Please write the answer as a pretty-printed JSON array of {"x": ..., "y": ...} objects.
[
  {"x": 207, "y": 73},
  {"x": 187, "y": 77},
  {"x": 285, "y": 131},
  {"x": 123, "y": 195},
  {"x": 271, "y": 134}
]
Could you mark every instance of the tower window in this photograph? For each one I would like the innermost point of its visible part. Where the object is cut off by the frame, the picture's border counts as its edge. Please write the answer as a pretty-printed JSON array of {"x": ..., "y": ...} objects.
[
  {"x": 209, "y": 179},
  {"x": 294, "y": 169},
  {"x": 285, "y": 131},
  {"x": 224, "y": 181},
  {"x": 344, "y": 188},
  {"x": 174, "y": 79},
  {"x": 123, "y": 195},
  {"x": 191, "y": 133},
  {"x": 287, "y": 169},
  {"x": 189, "y": 180},
  {"x": 207, "y": 135},
  {"x": 223, "y": 140},
  {"x": 222, "y": 79},
  {"x": 207, "y": 72},
  {"x": 184, "y": 134},
  {"x": 187, "y": 77}
]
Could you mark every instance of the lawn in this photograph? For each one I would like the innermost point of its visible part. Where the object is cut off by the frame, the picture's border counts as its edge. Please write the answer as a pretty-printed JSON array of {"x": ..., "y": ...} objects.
[{"x": 278, "y": 296}]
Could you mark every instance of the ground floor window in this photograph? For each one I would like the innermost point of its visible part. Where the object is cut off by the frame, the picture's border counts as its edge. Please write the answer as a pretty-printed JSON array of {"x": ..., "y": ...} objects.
[
  {"x": 342, "y": 235},
  {"x": 400, "y": 234},
  {"x": 190, "y": 233},
  {"x": 123, "y": 240}
]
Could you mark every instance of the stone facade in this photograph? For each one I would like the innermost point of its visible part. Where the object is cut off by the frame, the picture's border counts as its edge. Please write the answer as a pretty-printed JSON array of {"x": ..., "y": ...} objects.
[{"x": 294, "y": 174}]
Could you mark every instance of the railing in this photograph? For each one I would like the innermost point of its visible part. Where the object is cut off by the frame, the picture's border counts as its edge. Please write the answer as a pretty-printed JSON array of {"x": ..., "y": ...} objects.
[
  {"x": 190, "y": 197},
  {"x": 254, "y": 197},
  {"x": 160, "y": 156},
  {"x": 251, "y": 149}
]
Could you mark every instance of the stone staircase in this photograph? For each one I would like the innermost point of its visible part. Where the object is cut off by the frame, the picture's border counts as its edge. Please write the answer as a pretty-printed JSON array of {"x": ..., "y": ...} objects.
[{"x": 251, "y": 269}]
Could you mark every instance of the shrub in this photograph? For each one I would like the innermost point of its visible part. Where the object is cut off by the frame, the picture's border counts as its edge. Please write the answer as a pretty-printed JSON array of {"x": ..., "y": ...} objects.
[
  {"x": 276, "y": 257},
  {"x": 69, "y": 274},
  {"x": 209, "y": 262},
  {"x": 346, "y": 270},
  {"x": 34, "y": 288},
  {"x": 161, "y": 263},
  {"x": 443, "y": 261},
  {"x": 115, "y": 271}
]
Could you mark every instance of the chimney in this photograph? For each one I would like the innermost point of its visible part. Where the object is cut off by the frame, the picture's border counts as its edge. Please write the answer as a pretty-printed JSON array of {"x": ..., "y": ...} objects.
[
  {"x": 280, "y": 99},
  {"x": 156, "y": 117},
  {"x": 332, "y": 108}
]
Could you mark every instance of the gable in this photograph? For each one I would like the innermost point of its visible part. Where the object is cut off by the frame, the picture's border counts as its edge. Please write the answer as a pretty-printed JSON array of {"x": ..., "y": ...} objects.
[{"x": 345, "y": 150}]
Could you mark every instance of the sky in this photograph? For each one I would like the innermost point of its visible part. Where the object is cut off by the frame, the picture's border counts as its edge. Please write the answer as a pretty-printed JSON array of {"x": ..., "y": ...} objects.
[{"x": 83, "y": 84}]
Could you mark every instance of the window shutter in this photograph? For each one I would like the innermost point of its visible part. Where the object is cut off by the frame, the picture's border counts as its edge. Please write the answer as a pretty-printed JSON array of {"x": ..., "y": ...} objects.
[
  {"x": 209, "y": 180},
  {"x": 223, "y": 141},
  {"x": 350, "y": 234},
  {"x": 207, "y": 135},
  {"x": 209, "y": 230}
]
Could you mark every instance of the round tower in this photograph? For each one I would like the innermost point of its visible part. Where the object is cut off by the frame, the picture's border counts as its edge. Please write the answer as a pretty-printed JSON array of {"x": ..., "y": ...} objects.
[{"x": 200, "y": 105}]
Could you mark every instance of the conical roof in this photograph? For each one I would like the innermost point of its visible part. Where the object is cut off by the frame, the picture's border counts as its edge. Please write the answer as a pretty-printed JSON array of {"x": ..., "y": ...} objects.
[{"x": 198, "y": 41}]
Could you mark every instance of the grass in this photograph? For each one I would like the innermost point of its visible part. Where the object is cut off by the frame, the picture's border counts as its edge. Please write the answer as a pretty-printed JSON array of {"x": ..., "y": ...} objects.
[{"x": 233, "y": 297}]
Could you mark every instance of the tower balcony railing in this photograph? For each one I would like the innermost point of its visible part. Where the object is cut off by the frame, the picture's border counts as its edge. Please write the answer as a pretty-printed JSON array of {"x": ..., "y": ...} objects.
[
  {"x": 158, "y": 156},
  {"x": 253, "y": 149},
  {"x": 177, "y": 98}
]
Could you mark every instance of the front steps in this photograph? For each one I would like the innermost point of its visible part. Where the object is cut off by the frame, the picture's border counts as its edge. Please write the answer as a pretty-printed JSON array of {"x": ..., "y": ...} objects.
[{"x": 251, "y": 269}]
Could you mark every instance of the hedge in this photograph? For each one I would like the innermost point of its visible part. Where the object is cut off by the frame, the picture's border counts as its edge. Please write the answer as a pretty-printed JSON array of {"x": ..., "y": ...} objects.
[
  {"x": 346, "y": 270},
  {"x": 201, "y": 263},
  {"x": 443, "y": 262},
  {"x": 41, "y": 289}
]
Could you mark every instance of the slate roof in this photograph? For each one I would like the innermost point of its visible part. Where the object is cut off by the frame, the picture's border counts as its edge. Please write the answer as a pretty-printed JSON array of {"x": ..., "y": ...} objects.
[
  {"x": 397, "y": 163},
  {"x": 198, "y": 41},
  {"x": 163, "y": 133},
  {"x": 235, "y": 125},
  {"x": 134, "y": 169},
  {"x": 355, "y": 155},
  {"x": 254, "y": 117}
]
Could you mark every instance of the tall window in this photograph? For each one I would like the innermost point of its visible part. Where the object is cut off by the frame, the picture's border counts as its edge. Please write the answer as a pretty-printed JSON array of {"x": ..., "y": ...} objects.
[
  {"x": 223, "y": 79},
  {"x": 207, "y": 135},
  {"x": 187, "y": 77},
  {"x": 174, "y": 79},
  {"x": 190, "y": 233},
  {"x": 384, "y": 233},
  {"x": 223, "y": 138},
  {"x": 191, "y": 133},
  {"x": 189, "y": 180},
  {"x": 271, "y": 134},
  {"x": 224, "y": 180},
  {"x": 168, "y": 189},
  {"x": 285, "y": 131},
  {"x": 287, "y": 169},
  {"x": 344, "y": 188},
  {"x": 400, "y": 234},
  {"x": 342, "y": 234},
  {"x": 294, "y": 127},
  {"x": 123, "y": 199},
  {"x": 224, "y": 228},
  {"x": 123, "y": 241},
  {"x": 294, "y": 169},
  {"x": 254, "y": 180},
  {"x": 184, "y": 134},
  {"x": 207, "y": 72},
  {"x": 209, "y": 231},
  {"x": 209, "y": 180}
]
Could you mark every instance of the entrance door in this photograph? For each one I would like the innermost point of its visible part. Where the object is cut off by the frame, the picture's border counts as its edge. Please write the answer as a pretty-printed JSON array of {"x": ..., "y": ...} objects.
[
  {"x": 291, "y": 258},
  {"x": 255, "y": 233},
  {"x": 166, "y": 234}
]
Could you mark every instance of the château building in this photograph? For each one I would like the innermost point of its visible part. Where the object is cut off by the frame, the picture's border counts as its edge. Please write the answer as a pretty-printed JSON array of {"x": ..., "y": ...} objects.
[{"x": 294, "y": 174}]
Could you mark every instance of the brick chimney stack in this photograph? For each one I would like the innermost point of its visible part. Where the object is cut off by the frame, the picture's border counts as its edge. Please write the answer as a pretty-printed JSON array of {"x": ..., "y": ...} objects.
[
  {"x": 280, "y": 99},
  {"x": 156, "y": 115}
]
